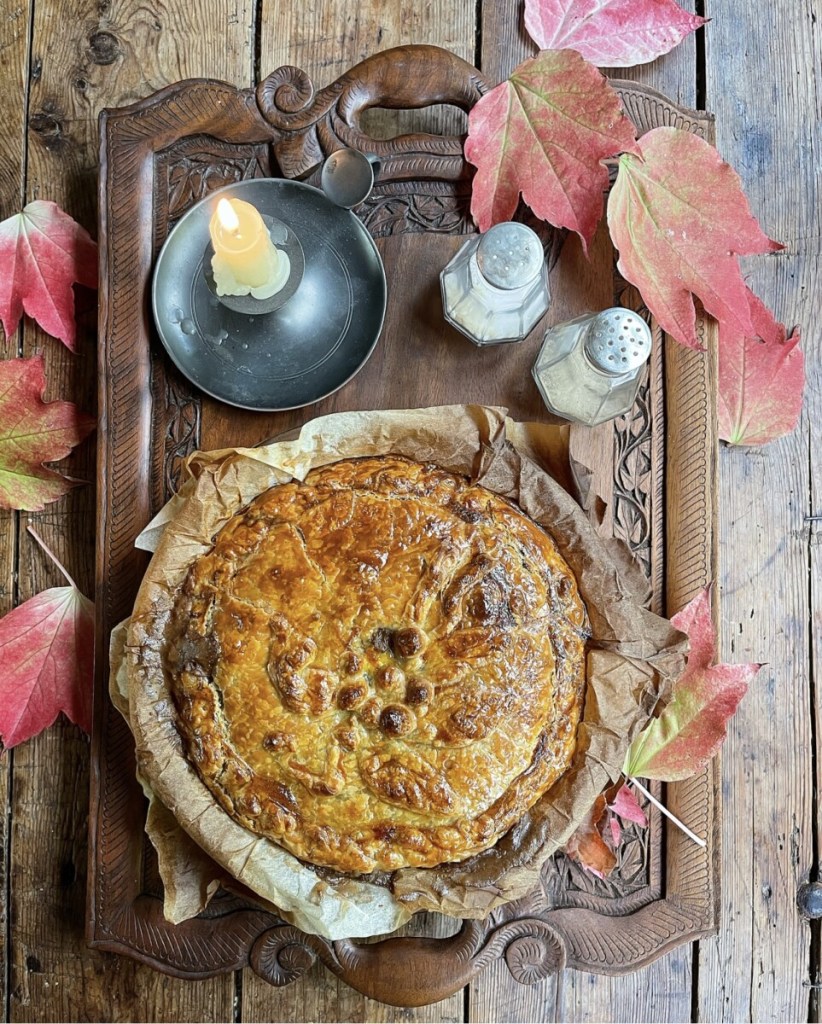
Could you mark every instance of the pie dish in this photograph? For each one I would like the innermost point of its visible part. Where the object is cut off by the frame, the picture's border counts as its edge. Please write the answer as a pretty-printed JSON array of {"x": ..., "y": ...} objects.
[{"x": 378, "y": 667}]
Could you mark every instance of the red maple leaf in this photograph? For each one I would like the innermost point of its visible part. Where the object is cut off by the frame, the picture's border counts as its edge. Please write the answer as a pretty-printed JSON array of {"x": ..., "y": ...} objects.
[
  {"x": 679, "y": 217},
  {"x": 33, "y": 432},
  {"x": 47, "y": 650},
  {"x": 690, "y": 730},
  {"x": 610, "y": 33},
  {"x": 761, "y": 379},
  {"x": 43, "y": 252},
  {"x": 543, "y": 134}
]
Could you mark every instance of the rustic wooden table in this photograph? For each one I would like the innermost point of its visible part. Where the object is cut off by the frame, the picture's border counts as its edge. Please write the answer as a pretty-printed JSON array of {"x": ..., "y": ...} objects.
[{"x": 759, "y": 72}]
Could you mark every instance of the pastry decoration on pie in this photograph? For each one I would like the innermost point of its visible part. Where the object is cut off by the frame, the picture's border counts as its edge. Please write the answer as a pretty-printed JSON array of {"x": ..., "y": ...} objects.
[{"x": 381, "y": 666}]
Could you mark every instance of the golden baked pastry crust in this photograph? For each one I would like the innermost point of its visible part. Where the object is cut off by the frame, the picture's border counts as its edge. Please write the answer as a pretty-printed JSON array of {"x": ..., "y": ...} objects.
[{"x": 381, "y": 666}]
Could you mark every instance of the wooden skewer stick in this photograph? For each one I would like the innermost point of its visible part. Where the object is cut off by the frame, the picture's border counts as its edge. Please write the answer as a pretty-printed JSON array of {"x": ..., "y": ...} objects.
[{"x": 667, "y": 813}]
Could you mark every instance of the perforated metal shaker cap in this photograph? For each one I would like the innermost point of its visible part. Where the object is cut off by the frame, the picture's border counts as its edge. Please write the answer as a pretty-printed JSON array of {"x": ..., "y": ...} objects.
[
  {"x": 510, "y": 255},
  {"x": 618, "y": 341}
]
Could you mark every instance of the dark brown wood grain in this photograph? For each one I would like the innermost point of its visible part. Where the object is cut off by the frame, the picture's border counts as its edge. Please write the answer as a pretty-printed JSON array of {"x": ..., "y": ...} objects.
[
  {"x": 420, "y": 361},
  {"x": 49, "y": 809},
  {"x": 14, "y": 33}
]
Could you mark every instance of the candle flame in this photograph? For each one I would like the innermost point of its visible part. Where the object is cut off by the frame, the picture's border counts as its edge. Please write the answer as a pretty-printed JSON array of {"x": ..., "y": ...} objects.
[{"x": 229, "y": 221}]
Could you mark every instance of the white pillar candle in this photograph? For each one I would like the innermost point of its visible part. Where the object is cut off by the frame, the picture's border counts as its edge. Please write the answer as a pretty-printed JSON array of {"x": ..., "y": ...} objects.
[{"x": 245, "y": 259}]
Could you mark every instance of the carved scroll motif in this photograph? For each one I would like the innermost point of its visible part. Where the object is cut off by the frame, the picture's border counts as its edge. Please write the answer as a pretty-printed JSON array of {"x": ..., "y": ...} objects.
[
  {"x": 532, "y": 950},
  {"x": 281, "y": 955},
  {"x": 309, "y": 125},
  {"x": 632, "y": 479},
  {"x": 638, "y": 496}
]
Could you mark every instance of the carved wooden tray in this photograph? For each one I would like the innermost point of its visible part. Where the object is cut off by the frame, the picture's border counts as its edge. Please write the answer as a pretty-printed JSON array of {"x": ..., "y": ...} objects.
[{"x": 656, "y": 467}]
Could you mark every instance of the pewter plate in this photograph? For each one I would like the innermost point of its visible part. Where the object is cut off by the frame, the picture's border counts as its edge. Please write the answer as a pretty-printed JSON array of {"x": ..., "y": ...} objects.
[{"x": 298, "y": 354}]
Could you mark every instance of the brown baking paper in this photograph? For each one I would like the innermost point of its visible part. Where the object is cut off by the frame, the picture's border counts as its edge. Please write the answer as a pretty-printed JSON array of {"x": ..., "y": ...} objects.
[{"x": 631, "y": 654}]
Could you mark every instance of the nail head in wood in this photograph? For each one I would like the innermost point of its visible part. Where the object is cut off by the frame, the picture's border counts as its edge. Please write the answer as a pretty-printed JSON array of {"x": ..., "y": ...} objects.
[{"x": 809, "y": 900}]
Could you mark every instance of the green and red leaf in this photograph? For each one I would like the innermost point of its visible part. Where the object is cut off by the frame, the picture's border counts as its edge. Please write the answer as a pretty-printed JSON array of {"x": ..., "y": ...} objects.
[
  {"x": 691, "y": 728},
  {"x": 33, "y": 432},
  {"x": 543, "y": 134},
  {"x": 679, "y": 218}
]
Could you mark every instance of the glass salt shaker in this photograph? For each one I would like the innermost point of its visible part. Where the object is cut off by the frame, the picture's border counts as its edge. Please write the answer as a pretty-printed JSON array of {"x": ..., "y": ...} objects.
[
  {"x": 496, "y": 287},
  {"x": 589, "y": 369}
]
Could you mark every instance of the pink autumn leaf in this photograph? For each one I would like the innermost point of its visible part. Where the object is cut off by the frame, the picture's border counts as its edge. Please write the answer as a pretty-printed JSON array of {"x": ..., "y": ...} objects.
[
  {"x": 616, "y": 831},
  {"x": 623, "y": 804},
  {"x": 626, "y": 806},
  {"x": 610, "y": 33},
  {"x": 761, "y": 379},
  {"x": 43, "y": 253},
  {"x": 679, "y": 218},
  {"x": 33, "y": 432},
  {"x": 690, "y": 730},
  {"x": 543, "y": 134},
  {"x": 47, "y": 652}
]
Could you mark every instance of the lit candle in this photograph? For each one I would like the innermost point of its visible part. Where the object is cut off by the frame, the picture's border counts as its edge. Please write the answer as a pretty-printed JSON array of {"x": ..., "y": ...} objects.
[{"x": 245, "y": 259}]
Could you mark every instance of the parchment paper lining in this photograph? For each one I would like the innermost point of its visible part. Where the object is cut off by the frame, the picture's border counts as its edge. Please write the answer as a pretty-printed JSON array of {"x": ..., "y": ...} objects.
[{"x": 631, "y": 654}]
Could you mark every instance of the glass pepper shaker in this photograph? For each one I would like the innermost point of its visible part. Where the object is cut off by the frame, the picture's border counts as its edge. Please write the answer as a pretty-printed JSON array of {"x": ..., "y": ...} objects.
[
  {"x": 589, "y": 369},
  {"x": 496, "y": 287}
]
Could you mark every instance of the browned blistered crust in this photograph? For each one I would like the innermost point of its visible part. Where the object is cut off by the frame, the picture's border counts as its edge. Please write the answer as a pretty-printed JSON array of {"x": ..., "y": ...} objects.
[{"x": 381, "y": 666}]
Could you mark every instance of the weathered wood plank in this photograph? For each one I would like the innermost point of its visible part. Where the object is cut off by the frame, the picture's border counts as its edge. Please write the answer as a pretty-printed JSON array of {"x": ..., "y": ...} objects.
[
  {"x": 494, "y": 995},
  {"x": 661, "y": 992},
  {"x": 757, "y": 968},
  {"x": 14, "y": 45},
  {"x": 14, "y": 38},
  {"x": 812, "y": 425},
  {"x": 103, "y": 55}
]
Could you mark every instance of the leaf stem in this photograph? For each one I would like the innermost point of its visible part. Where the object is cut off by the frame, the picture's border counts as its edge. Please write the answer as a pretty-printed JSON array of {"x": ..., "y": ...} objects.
[
  {"x": 51, "y": 555},
  {"x": 667, "y": 813}
]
